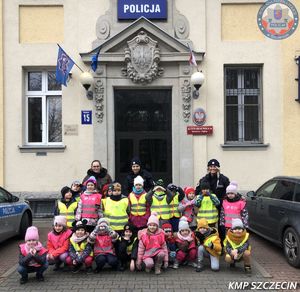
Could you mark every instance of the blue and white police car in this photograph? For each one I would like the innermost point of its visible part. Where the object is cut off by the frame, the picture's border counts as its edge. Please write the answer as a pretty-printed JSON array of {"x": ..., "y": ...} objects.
[{"x": 15, "y": 216}]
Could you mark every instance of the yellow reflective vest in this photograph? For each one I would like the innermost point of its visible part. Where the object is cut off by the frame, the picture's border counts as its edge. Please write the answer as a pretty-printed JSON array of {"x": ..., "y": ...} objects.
[
  {"x": 137, "y": 207},
  {"x": 208, "y": 210},
  {"x": 174, "y": 207},
  {"x": 161, "y": 208},
  {"x": 235, "y": 245},
  {"x": 68, "y": 212},
  {"x": 80, "y": 247},
  {"x": 116, "y": 212}
]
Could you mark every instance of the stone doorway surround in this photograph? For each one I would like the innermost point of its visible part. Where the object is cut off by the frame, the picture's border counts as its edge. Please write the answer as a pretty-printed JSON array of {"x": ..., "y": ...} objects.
[{"x": 143, "y": 55}]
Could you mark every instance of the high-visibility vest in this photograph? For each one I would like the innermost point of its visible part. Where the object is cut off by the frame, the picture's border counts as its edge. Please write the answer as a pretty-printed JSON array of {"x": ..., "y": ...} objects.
[
  {"x": 130, "y": 246},
  {"x": 208, "y": 210},
  {"x": 153, "y": 243},
  {"x": 68, "y": 212},
  {"x": 174, "y": 207},
  {"x": 208, "y": 240},
  {"x": 161, "y": 208},
  {"x": 137, "y": 205},
  {"x": 79, "y": 248},
  {"x": 116, "y": 212},
  {"x": 232, "y": 210},
  {"x": 89, "y": 205},
  {"x": 235, "y": 245},
  {"x": 104, "y": 245}
]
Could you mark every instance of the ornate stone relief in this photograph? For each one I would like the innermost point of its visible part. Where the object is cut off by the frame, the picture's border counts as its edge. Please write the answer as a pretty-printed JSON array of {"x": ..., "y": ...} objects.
[
  {"x": 186, "y": 100},
  {"x": 142, "y": 58},
  {"x": 99, "y": 100},
  {"x": 181, "y": 27}
]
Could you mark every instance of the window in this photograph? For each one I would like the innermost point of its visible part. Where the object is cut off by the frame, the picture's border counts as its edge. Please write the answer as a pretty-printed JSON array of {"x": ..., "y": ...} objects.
[
  {"x": 297, "y": 193},
  {"x": 43, "y": 108},
  {"x": 284, "y": 190},
  {"x": 266, "y": 190},
  {"x": 4, "y": 198},
  {"x": 243, "y": 105}
]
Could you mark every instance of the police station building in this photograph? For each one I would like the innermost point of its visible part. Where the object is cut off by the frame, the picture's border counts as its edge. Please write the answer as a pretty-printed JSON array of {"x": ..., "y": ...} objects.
[{"x": 141, "y": 100}]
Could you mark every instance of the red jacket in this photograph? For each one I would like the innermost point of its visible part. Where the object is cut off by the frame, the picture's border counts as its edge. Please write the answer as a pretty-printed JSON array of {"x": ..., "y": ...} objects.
[
  {"x": 57, "y": 244},
  {"x": 151, "y": 244},
  {"x": 185, "y": 245}
]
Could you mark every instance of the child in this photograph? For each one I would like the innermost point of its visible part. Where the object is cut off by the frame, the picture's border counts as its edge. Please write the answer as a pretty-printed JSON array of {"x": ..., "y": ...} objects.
[
  {"x": 89, "y": 205},
  {"x": 67, "y": 206},
  {"x": 186, "y": 207},
  {"x": 207, "y": 204},
  {"x": 209, "y": 245},
  {"x": 128, "y": 247},
  {"x": 171, "y": 242},
  {"x": 80, "y": 251},
  {"x": 185, "y": 242},
  {"x": 159, "y": 199},
  {"x": 178, "y": 196},
  {"x": 103, "y": 238},
  {"x": 233, "y": 206},
  {"x": 116, "y": 209},
  {"x": 58, "y": 242},
  {"x": 76, "y": 189},
  {"x": 139, "y": 210},
  {"x": 152, "y": 250},
  {"x": 32, "y": 258},
  {"x": 237, "y": 246}
]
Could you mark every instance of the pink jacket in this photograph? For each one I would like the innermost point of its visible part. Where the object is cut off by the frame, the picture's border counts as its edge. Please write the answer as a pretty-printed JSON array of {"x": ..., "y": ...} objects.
[
  {"x": 57, "y": 244},
  {"x": 151, "y": 244}
]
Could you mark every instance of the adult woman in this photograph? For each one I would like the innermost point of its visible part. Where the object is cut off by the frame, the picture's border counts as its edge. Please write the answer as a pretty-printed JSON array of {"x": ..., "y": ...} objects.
[{"x": 100, "y": 173}]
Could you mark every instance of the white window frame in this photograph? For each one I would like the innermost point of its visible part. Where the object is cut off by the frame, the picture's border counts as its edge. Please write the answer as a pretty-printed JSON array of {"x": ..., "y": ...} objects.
[
  {"x": 241, "y": 93},
  {"x": 43, "y": 94}
]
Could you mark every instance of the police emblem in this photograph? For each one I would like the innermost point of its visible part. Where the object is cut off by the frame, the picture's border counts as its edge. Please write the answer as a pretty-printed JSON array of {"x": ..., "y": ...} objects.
[{"x": 277, "y": 19}]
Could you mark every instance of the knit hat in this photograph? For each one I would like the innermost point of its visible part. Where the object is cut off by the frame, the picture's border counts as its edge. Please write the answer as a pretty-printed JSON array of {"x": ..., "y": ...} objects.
[
  {"x": 202, "y": 223},
  {"x": 159, "y": 184},
  {"x": 130, "y": 227},
  {"x": 167, "y": 227},
  {"x": 65, "y": 190},
  {"x": 110, "y": 187},
  {"x": 213, "y": 162},
  {"x": 60, "y": 220},
  {"x": 153, "y": 219},
  {"x": 231, "y": 189},
  {"x": 32, "y": 233},
  {"x": 103, "y": 221},
  {"x": 205, "y": 185},
  {"x": 138, "y": 180},
  {"x": 91, "y": 179},
  {"x": 76, "y": 182},
  {"x": 188, "y": 190},
  {"x": 237, "y": 223},
  {"x": 135, "y": 161},
  {"x": 183, "y": 224},
  {"x": 79, "y": 224}
]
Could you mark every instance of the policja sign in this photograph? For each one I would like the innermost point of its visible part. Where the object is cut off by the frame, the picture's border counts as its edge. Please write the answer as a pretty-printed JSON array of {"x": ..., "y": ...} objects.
[{"x": 151, "y": 9}]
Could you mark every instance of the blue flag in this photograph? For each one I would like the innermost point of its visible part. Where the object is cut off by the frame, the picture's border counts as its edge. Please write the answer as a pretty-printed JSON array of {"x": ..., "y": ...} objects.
[
  {"x": 63, "y": 67},
  {"x": 94, "y": 63}
]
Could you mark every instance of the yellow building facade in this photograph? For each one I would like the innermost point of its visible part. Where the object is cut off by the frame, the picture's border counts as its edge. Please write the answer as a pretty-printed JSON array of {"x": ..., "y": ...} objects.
[{"x": 229, "y": 48}]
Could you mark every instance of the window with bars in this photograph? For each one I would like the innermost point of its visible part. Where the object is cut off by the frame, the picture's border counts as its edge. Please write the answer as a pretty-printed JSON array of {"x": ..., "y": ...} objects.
[
  {"x": 43, "y": 108},
  {"x": 243, "y": 105}
]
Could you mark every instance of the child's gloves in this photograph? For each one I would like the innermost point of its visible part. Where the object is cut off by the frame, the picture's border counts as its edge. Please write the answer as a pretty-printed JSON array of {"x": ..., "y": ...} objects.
[
  {"x": 172, "y": 254},
  {"x": 211, "y": 245}
]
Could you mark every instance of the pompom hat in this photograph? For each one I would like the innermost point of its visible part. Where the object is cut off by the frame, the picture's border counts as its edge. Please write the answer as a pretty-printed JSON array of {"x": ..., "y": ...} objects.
[
  {"x": 203, "y": 223},
  {"x": 32, "y": 233},
  {"x": 60, "y": 220},
  {"x": 138, "y": 181},
  {"x": 91, "y": 179},
  {"x": 153, "y": 219},
  {"x": 231, "y": 189},
  {"x": 183, "y": 224},
  {"x": 188, "y": 190}
]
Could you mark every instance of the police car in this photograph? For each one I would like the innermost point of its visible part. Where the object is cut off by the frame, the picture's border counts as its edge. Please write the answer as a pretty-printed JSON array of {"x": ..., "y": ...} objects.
[{"x": 15, "y": 216}]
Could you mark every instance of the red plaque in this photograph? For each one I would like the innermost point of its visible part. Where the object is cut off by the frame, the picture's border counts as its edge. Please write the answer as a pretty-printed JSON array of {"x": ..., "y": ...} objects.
[{"x": 199, "y": 130}]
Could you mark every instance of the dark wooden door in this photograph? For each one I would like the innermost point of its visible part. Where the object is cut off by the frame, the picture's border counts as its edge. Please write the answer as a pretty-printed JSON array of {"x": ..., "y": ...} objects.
[{"x": 143, "y": 128}]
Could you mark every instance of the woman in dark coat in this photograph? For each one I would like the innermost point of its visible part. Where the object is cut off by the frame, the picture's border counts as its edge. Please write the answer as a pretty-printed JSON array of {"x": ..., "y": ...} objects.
[{"x": 100, "y": 173}]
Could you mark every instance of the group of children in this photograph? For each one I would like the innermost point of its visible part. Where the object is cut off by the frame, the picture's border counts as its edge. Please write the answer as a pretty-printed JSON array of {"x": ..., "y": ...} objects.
[{"x": 166, "y": 227}]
